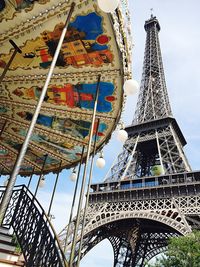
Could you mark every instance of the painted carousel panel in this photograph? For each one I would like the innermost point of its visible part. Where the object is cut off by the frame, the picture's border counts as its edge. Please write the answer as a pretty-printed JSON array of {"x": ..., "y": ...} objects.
[{"x": 94, "y": 44}]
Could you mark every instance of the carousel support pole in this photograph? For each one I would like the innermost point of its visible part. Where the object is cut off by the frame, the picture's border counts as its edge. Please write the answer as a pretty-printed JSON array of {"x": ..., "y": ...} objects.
[
  {"x": 30, "y": 178},
  {"x": 73, "y": 201},
  {"x": 87, "y": 196},
  {"x": 84, "y": 176},
  {"x": 16, "y": 50},
  {"x": 41, "y": 173},
  {"x": 2, "y": 169},
  {"x": 9, "y": 189},
  {"x": 54, "y": 189},
  {"x": 4, "y": 125}
]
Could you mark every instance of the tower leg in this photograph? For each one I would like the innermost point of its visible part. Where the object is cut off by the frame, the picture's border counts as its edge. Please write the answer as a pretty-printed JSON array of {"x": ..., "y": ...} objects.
[{"x": 122, "y": 252}]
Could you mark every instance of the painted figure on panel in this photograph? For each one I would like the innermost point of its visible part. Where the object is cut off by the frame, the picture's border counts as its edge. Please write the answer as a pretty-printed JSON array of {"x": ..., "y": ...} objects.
[
  {"x": 21, "y": 4},
  {"x": 71, "y": 127},
  {"x": 4, "y": 109},
  {"x": 85, "y": 44},
  {"x": 25, "y": 168},
  {"x": 2, "y": 5},
  {"x": 5, "y": 157},
  {"x": 34, "y": 156},
  {"x": 18, "y": 4},
  {"x": 3, "y": 153},
  {"x": 12, "y": 143},
  {"x": 82, "y": 96},
  {"x": 79, "y": 95},
  {"x": 60, "y": 147}
]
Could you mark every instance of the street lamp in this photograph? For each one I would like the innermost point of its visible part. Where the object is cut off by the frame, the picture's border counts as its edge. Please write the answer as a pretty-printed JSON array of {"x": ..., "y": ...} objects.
[
  {"x": 100, "y": 161},
  {"x": 122, "y": 135},
  {"x": 130, "y": 87},
  {"x": 108, "y": 6},
  {"x": 42, "y": 181},
  {"x": 73, "y": 175}
]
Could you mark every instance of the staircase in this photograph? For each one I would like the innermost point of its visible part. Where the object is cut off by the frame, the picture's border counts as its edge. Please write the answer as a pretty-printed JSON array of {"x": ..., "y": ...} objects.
[{"x": 9, "y": 257}]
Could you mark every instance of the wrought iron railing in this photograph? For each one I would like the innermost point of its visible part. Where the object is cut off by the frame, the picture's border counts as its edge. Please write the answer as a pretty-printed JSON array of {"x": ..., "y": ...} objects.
[
  {"x": 33, "y": 230},
  {"x": 185, "y": 178}
]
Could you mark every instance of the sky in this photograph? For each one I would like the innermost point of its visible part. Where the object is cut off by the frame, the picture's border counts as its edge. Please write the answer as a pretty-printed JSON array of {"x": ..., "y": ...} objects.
[{"x": 180, "y": 47}]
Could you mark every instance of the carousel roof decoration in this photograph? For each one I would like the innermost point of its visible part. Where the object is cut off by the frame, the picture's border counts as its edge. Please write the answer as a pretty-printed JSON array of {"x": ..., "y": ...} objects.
[{"x": 95, "y": 43}]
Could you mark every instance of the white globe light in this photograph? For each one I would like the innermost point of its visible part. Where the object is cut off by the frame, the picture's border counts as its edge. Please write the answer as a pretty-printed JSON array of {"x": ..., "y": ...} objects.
[
  {"x": 100, "y": 162},
  {"x": 73, "y": 176},
  {"x": 122, "y": 135},
  {"x": 108, "y": 5},
  {"x": 42, "y": 181},
  {"x": 130, "y": 87}
]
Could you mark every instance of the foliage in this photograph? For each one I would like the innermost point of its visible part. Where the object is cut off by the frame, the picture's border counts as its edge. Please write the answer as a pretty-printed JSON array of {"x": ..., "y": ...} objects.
[
  {"x": 183, "y": 251},
  {"x": 16, "y": 243}
]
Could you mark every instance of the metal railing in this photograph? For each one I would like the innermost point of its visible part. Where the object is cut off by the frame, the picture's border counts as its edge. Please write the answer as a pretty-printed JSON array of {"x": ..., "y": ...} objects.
[
  {"x": 33, "y": 229},
  {"x": 145, "y": 182}
]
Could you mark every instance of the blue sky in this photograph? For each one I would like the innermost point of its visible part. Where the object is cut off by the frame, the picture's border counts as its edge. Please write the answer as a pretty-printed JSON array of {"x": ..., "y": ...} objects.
[{"x": 180, "y": 46}]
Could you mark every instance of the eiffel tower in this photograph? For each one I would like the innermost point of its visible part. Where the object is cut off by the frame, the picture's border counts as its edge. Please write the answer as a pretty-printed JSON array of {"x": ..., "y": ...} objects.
[{"x": 152, "y": 193}]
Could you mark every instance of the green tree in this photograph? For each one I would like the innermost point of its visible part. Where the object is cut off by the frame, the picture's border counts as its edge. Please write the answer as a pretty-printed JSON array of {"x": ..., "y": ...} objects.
[{"x": 183, "y": 251}]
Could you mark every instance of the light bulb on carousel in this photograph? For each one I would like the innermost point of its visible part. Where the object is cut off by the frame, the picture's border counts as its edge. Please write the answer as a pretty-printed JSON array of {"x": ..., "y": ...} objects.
[
  {"x": 73, "y": 175},
  {"x": 130, "y": 87},
  {"x": 108, "y": 6},
  {"x": 122, "y": 135},
  {"x": 42, "y": 181},
  {"x": 100, "y": 163}
]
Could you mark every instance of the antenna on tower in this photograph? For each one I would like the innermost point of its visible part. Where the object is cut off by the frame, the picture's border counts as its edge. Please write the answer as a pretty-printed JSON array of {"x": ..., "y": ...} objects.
[{"x": 151, "y": 12}]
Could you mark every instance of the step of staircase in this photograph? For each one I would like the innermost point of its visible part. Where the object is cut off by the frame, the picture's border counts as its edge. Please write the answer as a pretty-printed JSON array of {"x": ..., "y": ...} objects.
[
  {"x": 4, "y": 230},
  {"x": 7, "y": 246},
  {"x": 8, "y": 255},
  {"x": 8, "y": 263},
  {"x": 5, "y": 255},
  {"x": 5, "y": 237}
]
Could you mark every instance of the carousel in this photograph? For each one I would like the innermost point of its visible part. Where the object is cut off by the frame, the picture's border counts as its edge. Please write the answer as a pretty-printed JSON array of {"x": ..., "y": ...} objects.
[
  {"x": 63, "y": 65},
  {"x": 95, "y": 44}
]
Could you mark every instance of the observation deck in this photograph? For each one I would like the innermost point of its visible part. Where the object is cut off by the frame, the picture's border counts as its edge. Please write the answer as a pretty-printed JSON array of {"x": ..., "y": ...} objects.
[{"x": 164, "y": 186}]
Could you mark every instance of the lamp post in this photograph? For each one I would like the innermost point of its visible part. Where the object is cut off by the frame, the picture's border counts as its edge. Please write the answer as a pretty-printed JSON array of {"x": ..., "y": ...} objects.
[{"x": 9, "y": 189}]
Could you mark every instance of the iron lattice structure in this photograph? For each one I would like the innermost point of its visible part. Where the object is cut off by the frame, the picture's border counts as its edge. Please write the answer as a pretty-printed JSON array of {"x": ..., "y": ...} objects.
[
  {"x": 154, "y": 136},
  {"x": 139, "y": 221},
  {"x": 151, "y": 193}
]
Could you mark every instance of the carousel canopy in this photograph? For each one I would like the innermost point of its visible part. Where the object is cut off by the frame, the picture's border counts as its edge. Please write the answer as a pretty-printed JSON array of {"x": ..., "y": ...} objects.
[{"x": 95, "y": 43}]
